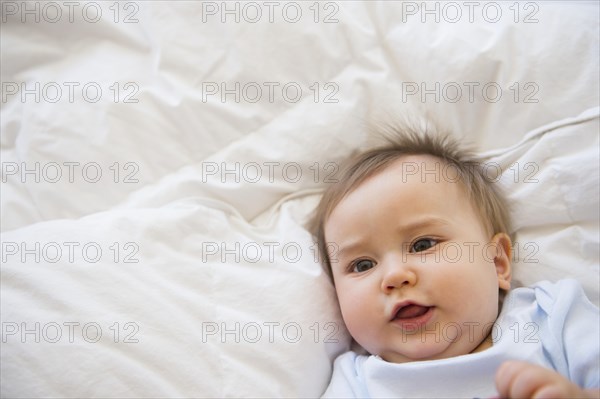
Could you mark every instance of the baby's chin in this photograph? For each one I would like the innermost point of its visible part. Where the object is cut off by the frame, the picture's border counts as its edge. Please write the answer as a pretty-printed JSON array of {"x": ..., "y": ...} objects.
[{"x": 423, "y": 352}]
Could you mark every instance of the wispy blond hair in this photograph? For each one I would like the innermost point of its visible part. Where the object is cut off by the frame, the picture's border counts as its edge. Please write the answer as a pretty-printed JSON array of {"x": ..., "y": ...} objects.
[{"x": 485, "y": 195}]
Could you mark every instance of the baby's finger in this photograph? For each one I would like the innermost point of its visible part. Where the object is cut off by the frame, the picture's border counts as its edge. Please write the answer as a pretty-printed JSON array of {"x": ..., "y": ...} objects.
[
  {"x": 505, "y": 375},
  {"x": 515, "y": 379},
  {"x": 550, "y": 392}
]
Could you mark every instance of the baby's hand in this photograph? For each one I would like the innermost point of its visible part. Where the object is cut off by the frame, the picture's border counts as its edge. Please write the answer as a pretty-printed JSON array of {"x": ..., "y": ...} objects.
[{"x": 515, "y": 379}]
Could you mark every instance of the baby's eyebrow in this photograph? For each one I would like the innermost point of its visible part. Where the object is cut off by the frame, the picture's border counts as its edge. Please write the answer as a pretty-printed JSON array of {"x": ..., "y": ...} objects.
[
  {"x": 423, "y": 222},
  {"x": 342, "y": 250}
]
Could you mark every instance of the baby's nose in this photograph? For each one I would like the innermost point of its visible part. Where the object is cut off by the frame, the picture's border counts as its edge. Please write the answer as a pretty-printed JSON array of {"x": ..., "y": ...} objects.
[{"x": 398, "y": 275}]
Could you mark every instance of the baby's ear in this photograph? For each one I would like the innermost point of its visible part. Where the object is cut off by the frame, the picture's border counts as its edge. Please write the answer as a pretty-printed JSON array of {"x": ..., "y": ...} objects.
[{"x": 502, "y": 259}]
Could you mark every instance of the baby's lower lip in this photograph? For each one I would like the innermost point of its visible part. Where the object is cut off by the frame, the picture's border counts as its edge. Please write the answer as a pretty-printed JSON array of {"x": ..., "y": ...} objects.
[{"x": 413, "y": 323}]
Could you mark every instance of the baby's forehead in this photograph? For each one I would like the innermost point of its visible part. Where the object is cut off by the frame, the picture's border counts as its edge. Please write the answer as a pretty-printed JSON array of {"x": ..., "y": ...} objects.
[
  {"x": 405, "y": 172},
  {"x": 408, "y": 191},
  {"x": 424, "y": 168},
  {"x": 413, "y": 176}
]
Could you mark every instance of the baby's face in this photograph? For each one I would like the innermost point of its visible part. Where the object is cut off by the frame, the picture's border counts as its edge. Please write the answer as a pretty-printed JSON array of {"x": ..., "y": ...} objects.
[{"x": 416, "y": 274}]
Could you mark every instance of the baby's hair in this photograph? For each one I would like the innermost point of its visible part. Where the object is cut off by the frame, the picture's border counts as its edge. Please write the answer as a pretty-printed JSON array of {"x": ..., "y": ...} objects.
[{"x": 486, "y": 197}]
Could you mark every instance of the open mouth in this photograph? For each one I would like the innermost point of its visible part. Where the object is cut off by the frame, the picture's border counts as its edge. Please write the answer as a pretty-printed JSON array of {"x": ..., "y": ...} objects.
[
  {"x": 410, "y": 311},
  {"x": 411, "y": 315}
]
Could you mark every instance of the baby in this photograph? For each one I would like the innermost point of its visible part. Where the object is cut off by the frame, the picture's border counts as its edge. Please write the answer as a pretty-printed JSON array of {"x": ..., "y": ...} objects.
[{"x": 416, "y": 238}]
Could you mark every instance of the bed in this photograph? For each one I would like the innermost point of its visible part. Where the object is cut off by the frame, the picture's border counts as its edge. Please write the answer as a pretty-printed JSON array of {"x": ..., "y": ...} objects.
[{"x": 160, "y": 161}]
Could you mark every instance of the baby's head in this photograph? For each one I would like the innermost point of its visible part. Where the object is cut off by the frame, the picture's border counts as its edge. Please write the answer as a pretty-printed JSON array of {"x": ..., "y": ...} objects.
[{"x": 416, "y": 238}]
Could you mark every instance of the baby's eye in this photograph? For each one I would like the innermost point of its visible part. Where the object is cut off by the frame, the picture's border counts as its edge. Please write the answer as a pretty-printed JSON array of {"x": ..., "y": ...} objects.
[
  {"x": 423, "y": 244},
  {"x": 362, "y": 266}
]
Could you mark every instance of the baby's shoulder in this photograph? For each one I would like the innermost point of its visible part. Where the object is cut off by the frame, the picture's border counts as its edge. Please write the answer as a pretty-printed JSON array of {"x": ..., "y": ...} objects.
[
  {"x": 547, "y": 294},
  {"x": 549, "y": 305}
]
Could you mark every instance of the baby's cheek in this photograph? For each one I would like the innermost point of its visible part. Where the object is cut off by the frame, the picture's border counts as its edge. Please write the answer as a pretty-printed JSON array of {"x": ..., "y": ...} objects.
[
  {"x": 351, "y": 308},
  {"x": 359, "y": 322}
]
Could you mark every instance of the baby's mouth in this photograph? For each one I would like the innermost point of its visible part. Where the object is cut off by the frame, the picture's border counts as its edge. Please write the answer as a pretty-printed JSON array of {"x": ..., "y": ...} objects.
[{"x": 410, "y": 311}]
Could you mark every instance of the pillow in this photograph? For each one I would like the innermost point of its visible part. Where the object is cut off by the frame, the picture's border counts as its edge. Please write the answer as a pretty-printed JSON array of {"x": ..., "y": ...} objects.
[
  {"x": 183, "y": 300},
  {"x": 551, "y": 179}
]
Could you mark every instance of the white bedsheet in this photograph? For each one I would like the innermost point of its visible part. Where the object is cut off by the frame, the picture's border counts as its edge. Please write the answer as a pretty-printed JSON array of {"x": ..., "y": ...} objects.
[{"x": 188, "y": 252}]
